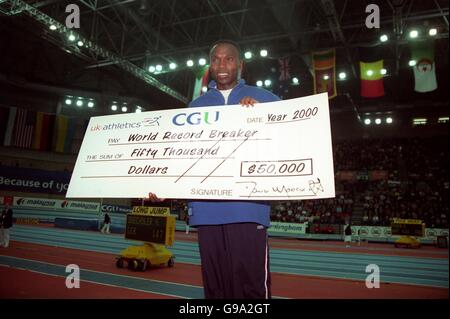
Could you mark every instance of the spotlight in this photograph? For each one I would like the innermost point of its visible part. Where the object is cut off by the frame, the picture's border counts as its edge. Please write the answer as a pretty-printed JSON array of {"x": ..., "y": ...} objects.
[
  {"x": 248, "y": 55},
  {"x": 172, "y": 66},
  {"x": 295, "y": 80},
  {"x": 68, "y": 101},
  {"x": 71, "y": 37},
  {"x": 369, "y": 72},
  {"x": 53, "y": 27},
  {"x": 201, "y": 61},
  {"x": 384, "y": 38},
  {"x": 80, "y": 43},
  {"x": 124, "y": 109},
  {"x": 383, "y": 71},
  {"x": 90, "y": 104},
  {"x": 432, "y": 32},
  {"x": 413, "y": 34},
  {"x": 389, "y": 120},
  {"x": 138, "y": 110},
  {"x": 267, "y": 83},
  {"x": 259, "y": 83},
  {"x": 151, "y": 69},
  {"x": 326, "y": 77},
  {"x": 412, "y": 62},
  {"x": 342, "y": 75},
  {"x": 114, "y": 107},
  {"x": 263, "y": 53},
  {"x": 190, "y": 63},
  {"x": 79, "y": 103},
  {"x": 158, "y": 68},
  {"x": 378, "y": 121},
  {"x": 367, "y": 121}
]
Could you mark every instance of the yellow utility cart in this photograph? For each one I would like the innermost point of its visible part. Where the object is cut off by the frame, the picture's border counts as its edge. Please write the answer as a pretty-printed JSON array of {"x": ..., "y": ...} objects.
[
  {"x": 409, "y": 230},
  {"x": 156, "y": 228}
]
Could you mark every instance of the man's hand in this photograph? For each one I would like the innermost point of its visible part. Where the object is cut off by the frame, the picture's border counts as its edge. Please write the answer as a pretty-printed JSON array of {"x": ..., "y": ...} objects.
[
  {"x": 154, "y": 199},
  {"x": 247, "y": 101}
]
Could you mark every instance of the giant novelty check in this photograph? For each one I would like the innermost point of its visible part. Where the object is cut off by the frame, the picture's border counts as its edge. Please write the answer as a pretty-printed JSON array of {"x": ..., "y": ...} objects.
[{"x": 272, "y": 151}]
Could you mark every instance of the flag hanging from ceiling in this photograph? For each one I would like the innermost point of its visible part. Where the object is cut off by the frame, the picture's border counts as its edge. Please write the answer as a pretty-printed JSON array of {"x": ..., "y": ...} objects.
[
  {"x": 7, "y": 139},
  {"x": 371, "y": 72},
  {"x": 425, "y": 69},
  {"x": 324, "y": 72},
  {"x": 43, "y": 132},
  {"x": 201, "y": 81},
  {"x": 24, "y": 128},
  {"x": 284, "y": 69},
  {"x": 64, "y": 132}
]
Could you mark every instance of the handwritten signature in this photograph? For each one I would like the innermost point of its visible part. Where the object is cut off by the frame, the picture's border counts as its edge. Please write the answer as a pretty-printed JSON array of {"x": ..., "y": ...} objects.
[{"x": 251, "y": 189}]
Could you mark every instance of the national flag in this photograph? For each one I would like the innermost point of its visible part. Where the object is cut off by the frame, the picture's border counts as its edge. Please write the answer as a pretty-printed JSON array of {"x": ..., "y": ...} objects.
[
  {"x": 425, "y": 68},
  {"x": 370, "y": 66},
  {"x": 372, "y": 84},
  {"x": 10, "y": 126},
  {"x": 43, "y": 132},
  {"x": 324, "y": 72},
  {"x": 64, "y": 132},
  {"x": 24, "y": 128},
  {"x": 284, "y": 69},
  {"x": 201, "y": 81}
]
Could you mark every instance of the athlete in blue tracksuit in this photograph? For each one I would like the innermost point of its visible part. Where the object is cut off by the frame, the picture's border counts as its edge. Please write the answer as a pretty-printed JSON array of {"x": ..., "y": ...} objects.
[{"x": 232, "y": 235}]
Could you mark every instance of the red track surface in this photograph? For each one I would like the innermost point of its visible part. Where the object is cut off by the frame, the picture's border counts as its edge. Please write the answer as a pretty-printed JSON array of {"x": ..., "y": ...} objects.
[{"x": 27, "y": 284}]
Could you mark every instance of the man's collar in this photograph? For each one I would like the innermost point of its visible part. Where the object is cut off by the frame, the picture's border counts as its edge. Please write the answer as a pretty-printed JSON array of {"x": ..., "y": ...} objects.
[{"x": 213, "y": 85}]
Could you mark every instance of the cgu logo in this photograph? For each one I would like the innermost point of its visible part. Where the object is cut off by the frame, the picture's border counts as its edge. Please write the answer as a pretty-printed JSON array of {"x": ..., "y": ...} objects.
[{"x": 195, "y": 118}]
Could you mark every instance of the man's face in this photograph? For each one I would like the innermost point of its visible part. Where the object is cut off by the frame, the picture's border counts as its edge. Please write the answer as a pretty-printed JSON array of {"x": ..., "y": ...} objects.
[{"x": 225, "y": 66}]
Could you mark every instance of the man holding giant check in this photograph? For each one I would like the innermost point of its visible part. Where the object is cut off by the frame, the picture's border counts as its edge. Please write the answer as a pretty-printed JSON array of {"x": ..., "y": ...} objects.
[{"x": 228, "y": 160}]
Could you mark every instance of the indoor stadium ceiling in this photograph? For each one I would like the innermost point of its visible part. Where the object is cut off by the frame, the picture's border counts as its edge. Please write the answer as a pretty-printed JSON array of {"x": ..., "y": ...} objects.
[{"x": 122, "y": 38}]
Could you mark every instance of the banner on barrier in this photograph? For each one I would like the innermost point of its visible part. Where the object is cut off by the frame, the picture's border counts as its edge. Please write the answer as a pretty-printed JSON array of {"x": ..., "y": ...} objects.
[{"x": 56, "y": 204}]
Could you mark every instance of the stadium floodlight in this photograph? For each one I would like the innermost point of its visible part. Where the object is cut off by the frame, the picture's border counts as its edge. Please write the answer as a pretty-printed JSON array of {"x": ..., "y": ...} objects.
[
  {"x": 326, "y": 77},
  {"x": 367, "y": 121},
  {"x": 342, "y": 75},
  {"x": 80, "y": 43},
  {"x": 383, "y": 71},
  {"x": 412, "y": 62},
  {"x": 71, "y": 37},
  {"x": 267, "y": 83},
  {"x": 190, "y": 63},
  {"x": 263, "y": 53},
  {"x": 432, "y": 32},
  {"x": 158, "y": 68},
  {"x": 202, "y": 61},
  {"x": 413, "y": 34},
  {"x": 151, "y": 69},
  {"x": 369, "y": 72},
  {"x": 295, "y": 80},
  {"x": 53, "y": 27},
  {"x": 90, "y": 104},
  {"x": 124, "y": 109},
  {"x": 138, "y": 110},
  {"x": 68, "y": 101},
  {"x": 114, "y": 107},
  {"x": 389, "y": 120},
  {"x": 378, "y": 121},
  {"x": 172, "y": 66},
  {"x": 248, "y": 55},
  {"x": 79, "y": 103},
  {"x": 204, "y": 89},
  {"x": 259, "y": 83},
  {"x": 384, "y": 38}
]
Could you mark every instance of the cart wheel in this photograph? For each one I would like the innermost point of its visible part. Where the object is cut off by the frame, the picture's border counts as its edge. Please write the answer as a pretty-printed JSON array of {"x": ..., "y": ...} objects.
[
  {"x": 133, "y": 264},
  {"x": 119, "y": 263},
  {"x": 171, "y": 262}
]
